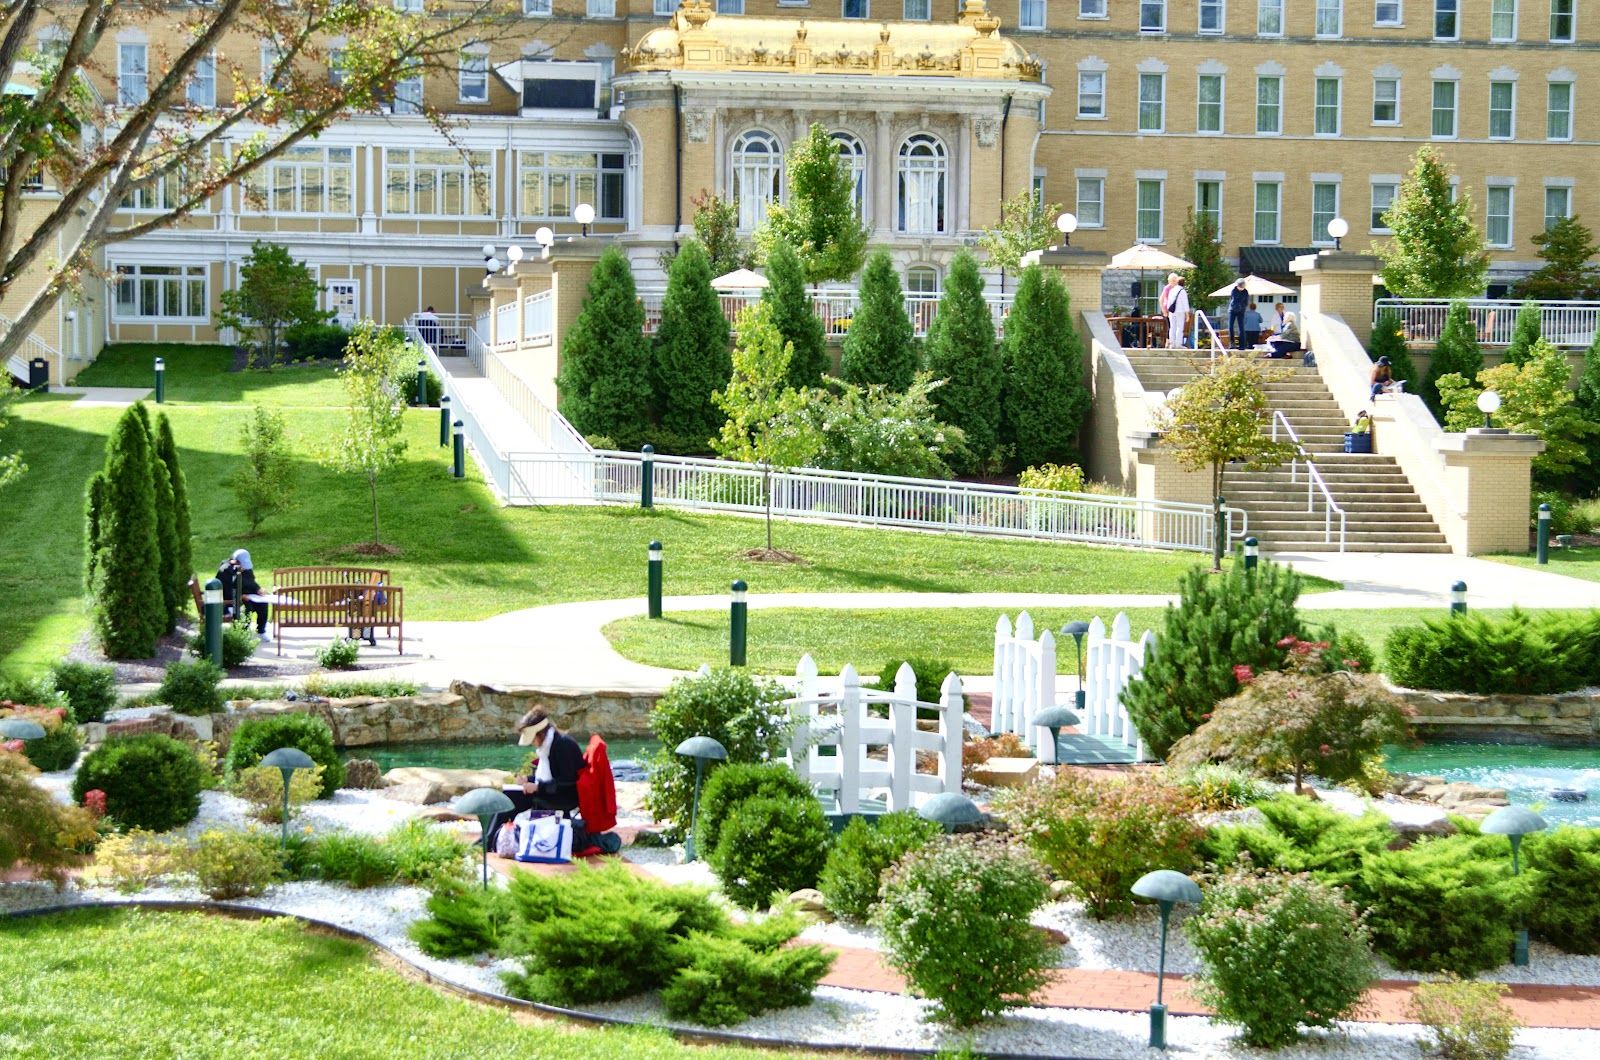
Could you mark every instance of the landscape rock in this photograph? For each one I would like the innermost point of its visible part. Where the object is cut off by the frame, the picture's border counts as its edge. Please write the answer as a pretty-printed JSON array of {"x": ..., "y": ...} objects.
[
  {"x": 1567, "y": 718},
  {"x": 1006, "y": 772},
  {"x": 808, "y": 901},
  {"x": 363, "y": 773},
  {"x": 1060, "y": 891},
  {"x": 448, "y": 783},
  {"x": 420, "y": 792},
  {"x": 1408, "y": 832},
  {"x": 1054, "y": 935}
]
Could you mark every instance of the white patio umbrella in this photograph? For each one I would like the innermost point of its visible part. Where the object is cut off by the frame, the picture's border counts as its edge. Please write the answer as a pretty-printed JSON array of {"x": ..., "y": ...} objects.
[
  {"x": 740, "y": 280},
  {"x": 1256, "y": 286},
  {"x": 1142, "y": 258}
]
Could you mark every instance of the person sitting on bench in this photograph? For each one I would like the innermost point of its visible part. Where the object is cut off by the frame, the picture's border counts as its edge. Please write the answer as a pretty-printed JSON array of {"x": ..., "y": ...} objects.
[
  {"x": 238, "y": 577},
  {"x": 553, "y": 785}
]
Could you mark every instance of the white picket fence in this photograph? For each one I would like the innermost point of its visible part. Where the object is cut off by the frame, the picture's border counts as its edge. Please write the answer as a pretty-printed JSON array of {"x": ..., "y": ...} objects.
[
  {"x": 1025, "y": 682},
  {"x": 841, "y": 720}
]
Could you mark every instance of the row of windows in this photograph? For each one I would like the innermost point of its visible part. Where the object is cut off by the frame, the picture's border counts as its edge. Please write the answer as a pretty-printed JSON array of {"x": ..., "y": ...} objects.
[
  {"x": 1266, "y": 222},
  {"x": 910, "y": 10},
  {"x": 1328, "y": 105},
  {"x": 1329, "y": 22},
  {"x": 921, "y": 202}
]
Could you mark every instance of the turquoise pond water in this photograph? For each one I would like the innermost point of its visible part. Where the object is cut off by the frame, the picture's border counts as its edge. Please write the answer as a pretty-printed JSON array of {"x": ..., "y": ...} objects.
[
  {"x": 1528, "y": 774},
  {"x": 626, "y": 755}
]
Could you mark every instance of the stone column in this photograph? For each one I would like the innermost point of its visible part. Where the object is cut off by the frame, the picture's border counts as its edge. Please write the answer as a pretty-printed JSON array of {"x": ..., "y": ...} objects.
[
  {"x": 1158, "y": 477},
  {"x": 1489, "y": 475},
  {"x": 1340, "y": 283},
  {"x": 881, "y": 177}
]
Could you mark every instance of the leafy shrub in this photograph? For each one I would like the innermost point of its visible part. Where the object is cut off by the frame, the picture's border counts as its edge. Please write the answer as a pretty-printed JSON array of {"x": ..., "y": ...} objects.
[
  {"x": 1567, "y": 913},
  {"x": 422, "y": 852},
  {"x": 1059, "y": 478},
  {"x": 955, "y": 923},
  {"x": 239, "y": 642},
  {"x": 406, "y": 382},
  {"x": 151, "y": 781},
  {"x": 255, "y": 738},
  {"x": 320, "y": 685},
  {"x": 31, "y": 691},
  {"x": 1468, "y": 1020},
  {"x": 227, "y": 863},
  {"x": 731, "y": 785},
  {"x": 37, "y": 830},
  {"x": 930, "y": 676},
  {"x": 355, "y": 858},
  {"x": 315, "y": 342},
  {"x": 58, "y": 748},
  {"x": 745, "y": 715},
  {"x": 136, "y": 859},
  {"x": 463, "y": 920},
  {"x": 1100, "y": 835},
  {"x": 1279, "y": 951},
  {"x": 1213, "y": 787},
  {"x": 770, "y": 846},
  {"x": 191, "y": 687},
  {"x": 725, "y": 980},
  {"x": 340, "y": 653},
  {"x": 1568, "y": 514},
  {"x": 975, "y": 753},
  {"x": 1523, "y": 653},
  {"x": 851, "y": 876},
  {"x": 262, "y": 788},
  {"x": 91, "y": 690}
]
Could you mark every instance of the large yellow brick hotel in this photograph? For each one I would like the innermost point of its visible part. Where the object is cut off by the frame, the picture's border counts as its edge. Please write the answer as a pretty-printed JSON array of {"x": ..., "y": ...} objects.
[{"x": 1274, "y": 115}]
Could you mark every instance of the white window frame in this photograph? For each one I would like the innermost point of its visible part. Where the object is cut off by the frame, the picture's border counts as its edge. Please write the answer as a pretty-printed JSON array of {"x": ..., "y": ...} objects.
[
  {"x": 1565, "y": 193},
  {"x": 1159, "y": 102},
  {"x": 1570, "y": 114},
  {"x": 133, "y": 78},
  {"x": 1511, "y": 113},
  {"x": 1439, "y": 12},
  {"x": 468, "y": 174},
  {"x": 201, "y": 91},
  {"x": 1031, "y": 14},
  {"x": 1269, "y": 11},
  {"x": 155, "y": 196},
  {"x": 186, "y": 286},
  {"x": 1200, "y": 182},
  {"x": 1276, "y": 214},
  {"x": 1491, "y": 190},
  {"x": 863, "y": 8},
  {"x": 1096, "y": 184},
  {"x": 922, "y": 160},
  {"x": 1378, "y": 8},
  {"x": 571, "y": 170},
  {"x": 762, "y": 170},
  {"x": 853, "y": 154},
  {"x": 1092, "y": 9},
  {"x": 1221, "y": 104},
  {"x": 1218, "y": 8},
  {"x": 1277, "y": 106},
  {"x": 293, "y": 174},
  {"x": 1139, "y": 184},
  {"x": 660, "y": 8},
  {"x": 1567, "y": 9},
  {"x": 1092, "y": 115},
  {"x": 730, "y": 7},
  {"x": 1434, "y": 109},
  {"x": 1149, "y": 7},
  {"x": 1503, "y": 38},
  {"x": 1323, "y": 9},
  {"x": 1317, "y": 108},
  {"x": 917, "y": 10},
  {"x": 917, "y": 275},
  {"x": 542, "y": 8},
  {"x": 601, "y": 8},
  {"x": 1377, "y": 99},
  {"x": 473, "y": 71},
  {"x": 1374, "y": 214},
  {"x": 1319, "y": 232}
]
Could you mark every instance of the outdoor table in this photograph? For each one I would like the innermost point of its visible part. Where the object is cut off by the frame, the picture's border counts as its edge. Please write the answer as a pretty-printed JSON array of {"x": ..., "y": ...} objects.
[{"x": 1148, "y": 331}]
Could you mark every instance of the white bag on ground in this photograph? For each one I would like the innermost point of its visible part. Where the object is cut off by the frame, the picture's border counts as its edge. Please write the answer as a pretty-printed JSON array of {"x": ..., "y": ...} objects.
[{"x": 545, "y": 839}]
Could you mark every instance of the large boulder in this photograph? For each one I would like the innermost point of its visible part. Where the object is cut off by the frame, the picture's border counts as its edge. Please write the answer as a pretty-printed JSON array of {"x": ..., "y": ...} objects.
[{"x": 440, "y": 785}]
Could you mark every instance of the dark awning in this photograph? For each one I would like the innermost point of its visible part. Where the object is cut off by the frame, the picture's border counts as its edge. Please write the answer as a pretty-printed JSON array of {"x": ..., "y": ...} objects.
[{"x": 1270, "y": 261}]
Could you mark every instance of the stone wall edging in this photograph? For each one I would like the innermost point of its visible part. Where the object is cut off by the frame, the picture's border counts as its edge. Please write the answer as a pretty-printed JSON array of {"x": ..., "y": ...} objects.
[{"x": 1566, "y": 718}]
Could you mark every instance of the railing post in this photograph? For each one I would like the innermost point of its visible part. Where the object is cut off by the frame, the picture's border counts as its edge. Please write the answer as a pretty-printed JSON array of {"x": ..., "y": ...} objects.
[
  {"x": 459, "y": 469},
  {"x": 647, "y": 477},
  {"x": 444, "y": 421},
  {"x": 653, "y": 580}
]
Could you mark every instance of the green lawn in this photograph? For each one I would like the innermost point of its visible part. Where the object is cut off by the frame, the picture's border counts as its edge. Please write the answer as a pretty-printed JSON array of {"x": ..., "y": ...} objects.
[
  {"x": 867, "y": 639},
  {"x": 119, "y": 983},
  {"x": 1573, "y": 562},
  {"x": 461, "y": 556}
]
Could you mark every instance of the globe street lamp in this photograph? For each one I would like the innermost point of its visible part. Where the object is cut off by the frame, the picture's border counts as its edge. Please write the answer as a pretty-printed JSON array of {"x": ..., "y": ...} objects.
[
  {"x": 1514, "y": 822},
  {"x": 1338, "y": 228},
  {"x": 1067, "y": 224},
  {"x": 702, "y": 749},
  {"x": 513, "y": 255},
  {"x": 490, "y": 264},
  {"x": 1166, "y": 888},
  {"x": 1488, "y": 404},
  {"x": 584, "y": 215},
  {"x": 544, "y": 237}
]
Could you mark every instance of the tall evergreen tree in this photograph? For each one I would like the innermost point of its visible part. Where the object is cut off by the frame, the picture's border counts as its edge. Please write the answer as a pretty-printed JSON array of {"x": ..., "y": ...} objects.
[
  {"x": 1588, "y": 402},
  {"x": 1437, "y": 250},
  {"x": 1568, "y": 250},
  {"x": 794, "y": 318},
  {"x": 1043, "y": 399},
  {"x": 130, "y": 609},
  {"x": 1389, "y": 340},
  {"x": 1210, "y": 272},
  {"x": 1527, "y": 331},
  {"x": 1455, "y": 351},
  {"x": 604, "y": 381},
  {"x": 691, "y": 356},
  {"x": 961, "y": 350},
  {"x": 878, "y": 347},
  {"x": 183, "y": 554},
  {"x": 166, "y": 521},
  {"x": 818, "y": 217},
  {"x": 94, "y": 503}
]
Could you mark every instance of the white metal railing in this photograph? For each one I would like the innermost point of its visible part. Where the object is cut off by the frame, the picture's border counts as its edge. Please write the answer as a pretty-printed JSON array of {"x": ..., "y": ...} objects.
[
  {"x": 538, "y": 318},
  {"x": 1203, "y": 323},
  {"x": 835, "y": 308},
  {"x": 33, "y": 347},
  {"x": 1569, "y": 325},
  {"x": 1315, "y": 483},
  {"x": 505, "y": 327}
]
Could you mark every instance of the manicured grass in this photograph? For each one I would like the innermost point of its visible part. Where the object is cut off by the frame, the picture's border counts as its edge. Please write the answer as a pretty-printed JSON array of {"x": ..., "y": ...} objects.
[
  {"x": 1573, "y": 562},
  {"x": 867, "y": 639},
  {"x": 110, "y": 983},
  {"x": 201, "y": 374}
]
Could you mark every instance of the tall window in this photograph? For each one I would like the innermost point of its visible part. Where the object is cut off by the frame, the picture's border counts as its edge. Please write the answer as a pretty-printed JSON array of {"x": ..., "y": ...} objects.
[
  {"x": 1269, "y": 105},
  {"x": 663, "y": 8},
  {"x": 1386, "y": 13},
  {"x": 304, "y": 180},
  {"x": 1147, "y": 222},
  {"x": 1152, "y": 16},
  {"x": 1557, "y": 205},
  {"x": 1213, "y": 15},
  {"x": 1208, "y": 116},
  {"x": 1091, "y": 94},
  {"x": 757, "y": 175},
  {"x": 1561, "y": 18},
  {"x": 1324, "y": 208},
  {"x": 1269, "y": 18},
  {"x": 1030, "y": 14},
  {"x": 1558, "y": 111},
  {"x": 408, "y": 95},
  {"x": 1383, "y": 195},
  {"x": 1091, "y": 8},
  {"x": 602, "y": 8},
  {"x": 162, "y": 292},
  {"x": 1330, "y": 18},
  {"x": 1386, "y": 101},
  {"x": 474, "y": 77},
  {"x": 202, "y": 88},
  {"x": 133, "y": 74},
  {"x": 922, "y": 173},
  {"x": 1502, "y": 110},
  {"x": 1208, "y": 203},
  {"x": 551, "y": 184},
  {"x": 922, "y": 10},
  {"x": 1444, "y": 110},
  {"x": 541, "y": 8},
  {"x": 1152, "y": 102},
  {"x": 1503, "y": 20},
  {"x": 1325, "y": 116},
  {"x": 730, "y": 7},
  {"x": 1446, "y": 19},
  {"x": 1091, "y": 202},
  {"x": 164, "y": 193},
  {"x": 437, "y": 182},
  {"x": 1497, "y": 215},
  {"x": 854, "y": 157},
  {"x": 1268, "y": 194},
  {"x": 272, "y": 68},
  {"x": 855, "y": 9}
]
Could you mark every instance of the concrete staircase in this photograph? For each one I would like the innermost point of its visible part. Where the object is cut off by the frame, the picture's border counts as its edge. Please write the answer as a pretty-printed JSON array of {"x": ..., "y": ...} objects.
[{"x": 1382, "y": 511}]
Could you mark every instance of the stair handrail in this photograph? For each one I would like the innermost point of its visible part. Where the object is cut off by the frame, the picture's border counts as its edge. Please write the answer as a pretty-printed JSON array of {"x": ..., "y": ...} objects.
[
  {"x": 1201, "y": 319},
  {"x": 1314, "y": 481}
]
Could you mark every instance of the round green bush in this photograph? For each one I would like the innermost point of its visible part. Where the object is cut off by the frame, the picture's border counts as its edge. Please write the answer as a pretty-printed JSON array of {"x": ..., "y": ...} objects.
[
  {"x": 930, "y": 676},
  {"x": 151, "y": 781},
  {"x": 239, "y": 642},
  {"x": 57, "y": 749},
  {"x": 257, "y": 737},
  {"x": 770, "y": 847},
  {"x": 191, "y": 687},
  {"x": 1567, "y": 912},
  {"x": 91, "y": 690},
  {"x": 855, "y": 865},
  {"x": 736, "y": 782}
]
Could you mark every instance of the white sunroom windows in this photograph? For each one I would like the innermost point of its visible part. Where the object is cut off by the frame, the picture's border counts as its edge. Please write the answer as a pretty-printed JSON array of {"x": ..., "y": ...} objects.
[
  {"x": 304, "y": 180},
  {"x": 162, "y": 292},
  {"x": 552, "y": 184},
  {"x": 922, "y": 172},
  {"x": 438, "y": 182},
  {"x": 757, "y": 176}
]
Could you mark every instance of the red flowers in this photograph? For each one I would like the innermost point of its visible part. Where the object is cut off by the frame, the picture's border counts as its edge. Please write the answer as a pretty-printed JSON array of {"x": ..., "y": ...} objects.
[
  {"x": 94, "y": 800},
  {"x": 14, "y": 746},
  {"x": 1243, "y": 674}
]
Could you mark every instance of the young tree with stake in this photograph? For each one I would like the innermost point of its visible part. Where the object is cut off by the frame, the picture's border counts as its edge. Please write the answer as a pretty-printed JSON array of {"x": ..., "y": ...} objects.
[{"x": 370, "y": 442}]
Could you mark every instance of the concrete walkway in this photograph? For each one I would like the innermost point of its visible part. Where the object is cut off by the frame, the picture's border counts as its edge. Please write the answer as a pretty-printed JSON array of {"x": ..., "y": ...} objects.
[{"x": 103, "y": 397}]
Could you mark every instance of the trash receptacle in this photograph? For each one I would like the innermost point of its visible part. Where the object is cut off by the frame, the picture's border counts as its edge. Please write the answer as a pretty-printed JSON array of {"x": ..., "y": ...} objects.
[
  {"x": 38, "y": 374},
  {"x": 1358, "y": 443}
]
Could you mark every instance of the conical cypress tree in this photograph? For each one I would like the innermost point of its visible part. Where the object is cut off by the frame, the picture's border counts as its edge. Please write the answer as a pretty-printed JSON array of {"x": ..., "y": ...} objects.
[
  {"x": 166, "y": 522},
  {"x": 794, "y": 318},
  {"x": 1389, "y": 340},
  {"x": 130, "y": 610},
  {"x": 183, "y": 555},
  {"x": 604, "y": 381},
  {"x": 1043, "y": 399},
  {"x": 1455, "y": 351},
  {"x": 878, "y": 347},
  {"x": 1527, "y": 331},
  {"x": 961, "y": 351},
  {"x": 692, "y": 359},
  {"x": 94, "y": 500}
]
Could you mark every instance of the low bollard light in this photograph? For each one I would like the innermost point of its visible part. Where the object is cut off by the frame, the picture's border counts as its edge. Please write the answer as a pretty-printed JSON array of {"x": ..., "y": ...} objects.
[
  {"x": 1252, "y": 553},
  {"x": 647, "y": 477},
  {"x": 1166, "y": 888},
  {"x": 286, "y": 760},
  {"x": 459, "y": 469},
  {"x": 702, "y": 749},
  {"x": 422, "y": 383},
  {"x": 161, "y": 381},
  {"x": 653, "y": 580},
  {"x": 444, "y": 421},
  {"x": 1544, "y": 534},
  {"x": 1514, "y": 822},
  {"x": 211, "y": 600},
  {"x": 738, "y": 620},
  {"x": 1055, "y": 719},
  {"x": 23, "y": 729},
  {"x": 1458, "y": 598},
  {"x": 485, "y": 804}
]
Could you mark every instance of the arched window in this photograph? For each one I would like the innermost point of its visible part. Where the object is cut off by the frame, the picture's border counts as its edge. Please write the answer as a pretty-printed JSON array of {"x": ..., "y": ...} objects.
[
  {"x": 853, "y": 155},
  {"x": 922, "y": 279},
  {"x": 922, "y": 171},
  {"x": 757, "y": 175}
]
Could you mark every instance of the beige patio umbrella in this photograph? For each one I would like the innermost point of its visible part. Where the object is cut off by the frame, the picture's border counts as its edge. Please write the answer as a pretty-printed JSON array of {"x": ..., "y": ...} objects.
[
  {"x": 1142, "y": 258},
  {"x": 1256, "y": 286},
  {"x": 740, "y": 280}
]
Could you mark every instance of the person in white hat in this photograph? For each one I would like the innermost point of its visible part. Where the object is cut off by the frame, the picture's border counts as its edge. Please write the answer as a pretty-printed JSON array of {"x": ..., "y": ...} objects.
[{"x": 553, "y": 784}]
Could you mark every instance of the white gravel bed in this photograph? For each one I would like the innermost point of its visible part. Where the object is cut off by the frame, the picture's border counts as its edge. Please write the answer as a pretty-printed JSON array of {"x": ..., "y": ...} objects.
[{"x": 349, "y": 810}]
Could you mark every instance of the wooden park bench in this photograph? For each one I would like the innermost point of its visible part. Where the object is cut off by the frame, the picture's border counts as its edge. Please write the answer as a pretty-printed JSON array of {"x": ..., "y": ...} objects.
[{"x": 351, "y": 598}]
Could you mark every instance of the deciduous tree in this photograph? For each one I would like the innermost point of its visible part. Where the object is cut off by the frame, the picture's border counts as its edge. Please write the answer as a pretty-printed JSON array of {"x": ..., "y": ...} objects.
[
  {"x": 1437, "y": 250},
  {"x": 690, "y": 352},
  {"x": 1025, "y": 225},
  {"x": 1534, "y": 399},
  {"x": 604, "y": 382},
  {"x": 371, "y": 441},
  {"x": 1043, "y": 399},
  {"x": 1568, "y": 249},
  {"x": 818, "y": 217},
  {"x": 264, "y": 484},
  {"x": 878, "y": 347},
  {"x": 275, "y": 293},
  {"x": 11, "y": 465},
  {"x": 961, "y": 350}
]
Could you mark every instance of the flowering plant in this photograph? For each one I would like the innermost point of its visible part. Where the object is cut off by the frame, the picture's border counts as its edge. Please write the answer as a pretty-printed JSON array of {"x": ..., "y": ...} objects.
[{"x": 94, "y": 800}]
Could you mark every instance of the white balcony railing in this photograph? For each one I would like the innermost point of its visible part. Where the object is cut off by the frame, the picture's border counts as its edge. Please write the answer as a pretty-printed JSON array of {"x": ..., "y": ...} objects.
[
  {"x": 1569, "y": 325},
  {"x": 538, "y": 319},
  {"x": 835, "y": 308}
]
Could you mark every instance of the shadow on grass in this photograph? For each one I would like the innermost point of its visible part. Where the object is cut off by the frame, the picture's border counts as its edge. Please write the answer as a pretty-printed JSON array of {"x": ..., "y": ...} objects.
[{"x": 205, "y": 374}]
